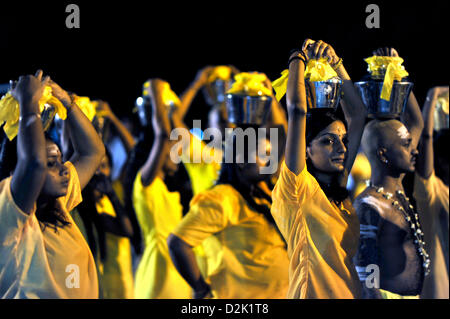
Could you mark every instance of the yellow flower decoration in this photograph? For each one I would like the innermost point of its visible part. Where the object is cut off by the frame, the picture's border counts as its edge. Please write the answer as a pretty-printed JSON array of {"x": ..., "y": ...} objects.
[
  {"x": 251, "y": 84},
  {"x": 10, "y": 111},
  {"x": 390, "y": 68}
]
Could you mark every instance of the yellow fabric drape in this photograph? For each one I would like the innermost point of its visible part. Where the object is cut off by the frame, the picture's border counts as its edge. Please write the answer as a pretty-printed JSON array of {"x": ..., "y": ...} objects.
[
  {"x": 169, "y": 97},
  {"x": 316, "y": 71},
  {"x": 116, "y": 271},
  {"x": 394, "y": 69},
  {"x": 10, "y": 112},
  {"x": 280, "y": 85},
  {"x": 220, "y": 72},
  {"x": 158, "y": 212},
  {"x": 252, "y": 260},
  {"x": 250, "y": 84},
  {"x": 87, "y": 106}
]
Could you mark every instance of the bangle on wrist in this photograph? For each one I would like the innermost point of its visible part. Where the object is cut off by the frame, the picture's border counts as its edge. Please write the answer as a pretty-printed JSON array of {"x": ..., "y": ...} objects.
[
  {"x": 300, "y": 56},
  {"x": 34, "y": 114},
  {"x": 31, "y": 118}
]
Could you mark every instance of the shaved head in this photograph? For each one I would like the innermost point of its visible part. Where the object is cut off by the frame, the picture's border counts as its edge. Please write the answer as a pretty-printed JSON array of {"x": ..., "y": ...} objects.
[{"x": 382, "y": 134}]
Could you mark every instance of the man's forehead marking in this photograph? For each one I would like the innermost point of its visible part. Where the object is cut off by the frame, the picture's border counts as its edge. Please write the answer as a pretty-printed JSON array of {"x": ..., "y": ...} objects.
[{"x": 403, "y": 132}]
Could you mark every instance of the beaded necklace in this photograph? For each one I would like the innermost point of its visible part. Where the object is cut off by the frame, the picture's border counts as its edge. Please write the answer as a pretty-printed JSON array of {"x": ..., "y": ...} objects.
[{"x": 412, "y": 218}]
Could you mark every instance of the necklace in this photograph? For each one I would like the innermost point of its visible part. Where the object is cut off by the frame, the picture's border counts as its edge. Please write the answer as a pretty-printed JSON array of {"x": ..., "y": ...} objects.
[{"x": 412, "y": 218}]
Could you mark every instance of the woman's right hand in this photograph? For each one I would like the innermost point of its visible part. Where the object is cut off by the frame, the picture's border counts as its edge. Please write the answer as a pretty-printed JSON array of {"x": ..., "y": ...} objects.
[{"x": 29, "y": 88}]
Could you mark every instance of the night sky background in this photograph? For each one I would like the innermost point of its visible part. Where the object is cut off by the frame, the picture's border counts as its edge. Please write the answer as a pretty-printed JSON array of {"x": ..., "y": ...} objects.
[{"x": 123, "y": 43}]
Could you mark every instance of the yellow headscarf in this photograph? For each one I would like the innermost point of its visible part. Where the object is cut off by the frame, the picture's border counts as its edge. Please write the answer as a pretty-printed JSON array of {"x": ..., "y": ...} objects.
[
  {"x": 393, "y": 68},
  {"x": 10, "y": 112},
  {"x": 250, "y": 84}
]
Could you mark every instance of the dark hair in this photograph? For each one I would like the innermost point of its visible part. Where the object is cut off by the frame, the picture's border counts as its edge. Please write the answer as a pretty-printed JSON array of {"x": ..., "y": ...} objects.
[
  {"x": 50, "y": 214},
  {"x": 316, "y": 121},
  {"x": 229, "y": 175}
]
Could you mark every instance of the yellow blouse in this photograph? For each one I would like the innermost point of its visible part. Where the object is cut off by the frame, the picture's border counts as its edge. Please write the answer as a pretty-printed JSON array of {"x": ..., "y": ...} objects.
[
  {"x": 254, "y": 261},
  {"x": 322, "y": 238},
  {"x": 116, "y": 271},
  {"x": 158, "y": 212},
  {"x": 44, "y": 264}
]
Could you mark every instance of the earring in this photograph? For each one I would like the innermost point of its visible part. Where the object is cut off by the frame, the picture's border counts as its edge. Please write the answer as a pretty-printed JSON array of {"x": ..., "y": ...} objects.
[{"x": 386, "y": 161}]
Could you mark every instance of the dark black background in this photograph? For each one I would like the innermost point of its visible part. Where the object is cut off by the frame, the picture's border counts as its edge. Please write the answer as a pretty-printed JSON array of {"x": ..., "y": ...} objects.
[{"x": 122, "y": 43}]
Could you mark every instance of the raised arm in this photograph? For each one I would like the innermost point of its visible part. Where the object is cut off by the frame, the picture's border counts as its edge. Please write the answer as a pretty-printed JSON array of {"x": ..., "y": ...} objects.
[
  {"x": 425, "y": 160},
  {"x": 161, "y": 127},
  {"x": 124, "y": 135},
  {"x": 31, "y": 168},
  {"x": 354, "y": 110},
  {"x": 88, "y": 147},
  {"x": 189, "y": 94},
  {"x": 296, "y": 108}
]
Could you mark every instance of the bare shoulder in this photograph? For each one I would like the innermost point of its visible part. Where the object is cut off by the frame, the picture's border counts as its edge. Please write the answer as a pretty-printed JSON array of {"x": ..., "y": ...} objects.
[{"x": 372, "y": 207}]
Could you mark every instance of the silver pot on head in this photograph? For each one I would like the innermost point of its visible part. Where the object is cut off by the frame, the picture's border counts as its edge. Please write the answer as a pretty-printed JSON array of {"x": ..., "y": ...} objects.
[
  {"x": 323, "y": 94},
  {"x": 215, "y": 91},
  {"x": 243, "y": 109},
  {"x": 370, "y": 92}
]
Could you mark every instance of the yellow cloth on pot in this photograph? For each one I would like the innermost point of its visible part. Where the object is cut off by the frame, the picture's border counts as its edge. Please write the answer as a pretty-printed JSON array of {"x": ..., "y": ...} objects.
[
  {"x": 169, "y": 97},
  {"x": 86, "y": 106},
  {"x": 250, "y": 84},
  {"x": 393, "y": 68},
  {"x": 221, "y": 72},
  {"x": 10, "y": 112},
  {"x": 316, "y": 71}
]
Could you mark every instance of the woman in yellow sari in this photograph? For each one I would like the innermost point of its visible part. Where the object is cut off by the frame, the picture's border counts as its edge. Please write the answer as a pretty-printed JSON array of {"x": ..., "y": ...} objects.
[
  {"x": 158, "y": 210},
  {"x": 310, "y": 203}
]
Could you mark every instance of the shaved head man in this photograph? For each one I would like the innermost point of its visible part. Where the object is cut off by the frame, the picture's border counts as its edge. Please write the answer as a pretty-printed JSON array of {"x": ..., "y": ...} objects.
[
  {"x": 388, "y": 243},
  {"x": 389, "y": 148}
]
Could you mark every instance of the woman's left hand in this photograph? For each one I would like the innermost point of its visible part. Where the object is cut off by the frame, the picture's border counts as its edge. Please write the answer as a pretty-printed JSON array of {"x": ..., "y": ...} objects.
[{"x": 60, "y": 94}]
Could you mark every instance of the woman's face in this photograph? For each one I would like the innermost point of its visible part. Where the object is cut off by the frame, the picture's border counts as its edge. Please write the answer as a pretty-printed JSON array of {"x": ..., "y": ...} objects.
[
  {"x": 104, "y": 168},
  {"x": 57, "y": 179},
  {"x": 328, "y": 149},
  {"x": 251, "y": 170}
]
